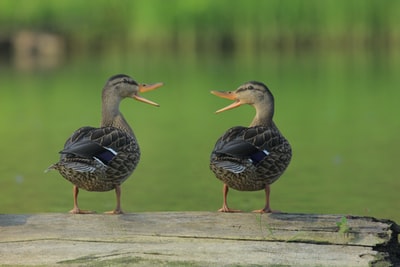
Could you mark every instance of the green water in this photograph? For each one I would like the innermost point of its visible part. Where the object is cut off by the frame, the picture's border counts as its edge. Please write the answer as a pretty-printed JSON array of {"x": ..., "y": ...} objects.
[{"x": 338, "y": 110}]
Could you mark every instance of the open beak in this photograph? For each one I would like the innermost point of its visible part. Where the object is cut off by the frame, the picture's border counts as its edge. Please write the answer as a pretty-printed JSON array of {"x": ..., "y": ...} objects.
[
  {"x": 230, "y": 96},
  {"x": 145, "y": 88}
]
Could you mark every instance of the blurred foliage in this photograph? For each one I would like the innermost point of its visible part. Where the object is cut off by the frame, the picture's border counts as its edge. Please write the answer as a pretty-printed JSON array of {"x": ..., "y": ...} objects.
[{"x": 207, "y": 24}]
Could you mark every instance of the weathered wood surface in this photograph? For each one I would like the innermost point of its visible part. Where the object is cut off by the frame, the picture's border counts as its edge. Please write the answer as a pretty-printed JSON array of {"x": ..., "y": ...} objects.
[{"x": 196, "y": 239}]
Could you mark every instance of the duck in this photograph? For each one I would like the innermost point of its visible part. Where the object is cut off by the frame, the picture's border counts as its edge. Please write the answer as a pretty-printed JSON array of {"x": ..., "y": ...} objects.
[
  {"x": 101, "y": 159},
  {"x": 250, "y": 158}
]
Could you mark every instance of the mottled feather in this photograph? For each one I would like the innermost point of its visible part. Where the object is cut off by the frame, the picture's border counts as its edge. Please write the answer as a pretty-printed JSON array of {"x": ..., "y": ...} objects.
[
  {"x": 257, "y": 155},
  {"x": 80, "y": 164}
]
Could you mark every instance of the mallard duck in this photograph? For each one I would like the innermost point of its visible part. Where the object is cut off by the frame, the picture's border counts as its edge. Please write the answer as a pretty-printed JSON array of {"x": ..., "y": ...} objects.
[
  {"x": 101, "y": 159},
  {"x": 250, "y": 158}
]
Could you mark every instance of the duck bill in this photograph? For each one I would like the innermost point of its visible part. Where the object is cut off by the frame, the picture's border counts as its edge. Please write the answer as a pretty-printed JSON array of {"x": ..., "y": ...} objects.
[
  {"x": 149, "y": 87},
  {"x": 144, "y": 100},
  {"x": 230, "y": 96},
  {"x": 146, "y": 88}
]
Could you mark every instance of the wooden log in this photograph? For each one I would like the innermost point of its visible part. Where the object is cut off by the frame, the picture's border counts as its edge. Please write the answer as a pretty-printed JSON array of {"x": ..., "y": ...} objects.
[{"x": 198, "y": 239}]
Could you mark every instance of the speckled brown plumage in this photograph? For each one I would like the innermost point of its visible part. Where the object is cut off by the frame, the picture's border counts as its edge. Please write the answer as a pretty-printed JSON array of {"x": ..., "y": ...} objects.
[
  {"x": 101, "y": 159},
  {"x": 250, "y": 158},
  {"x": 92, "y": 174},
  {"x": 231, "y": 159}
]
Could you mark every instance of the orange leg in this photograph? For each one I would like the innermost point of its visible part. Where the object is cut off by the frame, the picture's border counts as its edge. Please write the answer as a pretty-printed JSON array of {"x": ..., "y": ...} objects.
[
  {"x": 76, "y": 210},
  {"x": 118, "y": 209},
  {"x": 225, "y": 208},
  {"x": 267, "y": 208}
]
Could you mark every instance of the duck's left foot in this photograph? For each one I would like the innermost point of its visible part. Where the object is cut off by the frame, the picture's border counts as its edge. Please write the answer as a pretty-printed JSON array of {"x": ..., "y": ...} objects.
[
  {"x": 112, "y": 212},
  {"x": 226, "y": 209},
  {"x": 266, "y": 211},
  {"x": 79, "y": 211}
]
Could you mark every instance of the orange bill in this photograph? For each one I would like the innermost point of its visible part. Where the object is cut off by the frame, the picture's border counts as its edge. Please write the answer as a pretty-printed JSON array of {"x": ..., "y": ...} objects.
[
  {"x": 228, "y": 95},
  {"x": 145, "y": 88},
  {"x": 148, "y": 87}
]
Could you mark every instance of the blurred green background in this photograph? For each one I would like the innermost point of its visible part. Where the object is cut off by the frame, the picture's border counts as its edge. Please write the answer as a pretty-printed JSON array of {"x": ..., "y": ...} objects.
[{"x": 333, "y": 67}]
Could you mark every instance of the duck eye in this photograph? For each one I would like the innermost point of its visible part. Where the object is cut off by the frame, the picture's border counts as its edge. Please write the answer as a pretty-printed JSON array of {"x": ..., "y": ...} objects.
[{"x": 250, "y": 87}]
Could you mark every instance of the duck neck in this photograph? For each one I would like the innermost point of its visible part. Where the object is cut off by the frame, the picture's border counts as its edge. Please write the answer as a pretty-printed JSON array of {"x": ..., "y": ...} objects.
[
  {"x": 264, "y": 114},
  {"x": 112, "y": 117}
]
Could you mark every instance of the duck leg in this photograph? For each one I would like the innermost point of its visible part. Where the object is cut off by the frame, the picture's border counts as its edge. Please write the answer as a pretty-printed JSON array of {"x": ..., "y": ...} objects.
[
  {"x": 225, "y": 208},
  {"x": 117, "y": 210},
  {"x": 76, "y": 210},
  {"x": 267, "y": 208}
]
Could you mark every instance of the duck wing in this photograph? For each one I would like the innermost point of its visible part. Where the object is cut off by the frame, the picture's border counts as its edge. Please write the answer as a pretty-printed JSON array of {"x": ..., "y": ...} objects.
[
  {"x": 240, "y": 146},
  {"x": 85, "y": 147},
  {"x": 242, "y": 142},
  {"x": 100, "y": 144}
]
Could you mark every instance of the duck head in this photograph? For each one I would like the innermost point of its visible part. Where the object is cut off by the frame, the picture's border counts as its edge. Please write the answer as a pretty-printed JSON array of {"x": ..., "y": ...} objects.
[
  {"x": 252, "y": 93},
  {"x": 121, "y": 86}
]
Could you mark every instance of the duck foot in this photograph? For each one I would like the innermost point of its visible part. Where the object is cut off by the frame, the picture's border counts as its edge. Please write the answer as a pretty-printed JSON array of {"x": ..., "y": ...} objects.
[
  {"x": 79, "y": 211},
  {"x": 118, "y": 209},
  {"x": 112, "y": 212},
  {"x": 267, "y": 208},
  {"x": 226, "y": 209},
  {"x": 76, "y": 209},
  {"x": 267, "y": 211}
]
